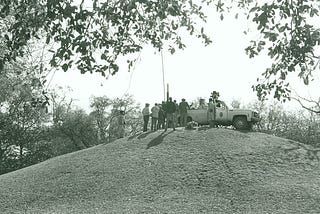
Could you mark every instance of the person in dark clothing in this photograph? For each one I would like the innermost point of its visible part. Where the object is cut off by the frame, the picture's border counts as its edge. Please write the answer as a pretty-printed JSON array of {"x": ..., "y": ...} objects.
[
  {"x": 170, "y": 114},
  {"x": 161, "y": 117},
  {"x": 176, "y": 114}
]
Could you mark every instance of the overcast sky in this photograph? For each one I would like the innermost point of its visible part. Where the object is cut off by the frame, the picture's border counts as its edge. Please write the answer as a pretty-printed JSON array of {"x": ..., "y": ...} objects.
[{"x": 194, "y": 72}]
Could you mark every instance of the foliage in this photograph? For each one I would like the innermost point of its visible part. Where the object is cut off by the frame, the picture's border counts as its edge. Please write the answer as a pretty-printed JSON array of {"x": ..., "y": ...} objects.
[
  {"x": 301, "y": 126},
  {"x": 133, "y": 117},
  {"x": 93, "y": 34},
  {"x": 100, "y": 106},
  {"x": 235, "y": 104},
  {"x": 21, "y": 109},
  {"x": 95, "y": 29},
  {"x": 79, "y": 127},
  {"x": 291, "y": 37},
  {"x": 106, "y": 112}
]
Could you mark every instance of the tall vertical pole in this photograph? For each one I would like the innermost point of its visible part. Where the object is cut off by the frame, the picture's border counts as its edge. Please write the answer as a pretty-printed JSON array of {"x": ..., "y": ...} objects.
[
  {"x": 163, "y": 82},
  {"x": 167, "y": 92}
]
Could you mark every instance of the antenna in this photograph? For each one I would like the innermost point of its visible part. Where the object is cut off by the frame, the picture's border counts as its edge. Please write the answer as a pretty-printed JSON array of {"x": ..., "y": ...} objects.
[{"x": 163, "y": 82}]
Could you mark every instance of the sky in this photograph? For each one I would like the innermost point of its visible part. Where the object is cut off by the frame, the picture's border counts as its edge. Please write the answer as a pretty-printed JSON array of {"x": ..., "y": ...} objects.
[{"x": 191, "y": 73}]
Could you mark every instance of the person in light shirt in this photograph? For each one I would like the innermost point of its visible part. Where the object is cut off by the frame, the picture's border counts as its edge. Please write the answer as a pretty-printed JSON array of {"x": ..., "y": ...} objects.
[
  {"x": 154, "y": 117},
  {"x": 146, "y": 115}
]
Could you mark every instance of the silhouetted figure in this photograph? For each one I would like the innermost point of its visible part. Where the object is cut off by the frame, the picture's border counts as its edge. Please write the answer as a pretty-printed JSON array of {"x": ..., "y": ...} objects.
[
  {"x": 121, "y": 124},
  {"x": 117, "y": 125},
  {"x": 183, "y": 111},
  {"x": 211, "y": 113},
  {"x": 170, "y": 114},
  {"x": 161, "y": 117},
  {"x": 146, "y": 115},
  {"x": 202, "y": 104},
  {"x": 176, "y": 114}
]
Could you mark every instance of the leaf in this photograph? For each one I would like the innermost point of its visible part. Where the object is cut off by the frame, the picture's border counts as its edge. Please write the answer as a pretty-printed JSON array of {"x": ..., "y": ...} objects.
[
  {"x": 254, "y": 9},
  {"x": 48, "y": 39},
  {"x": 65, "y": 67},
  {"x": 172, "y": 50},
  {"x": 104, "y": 57}
]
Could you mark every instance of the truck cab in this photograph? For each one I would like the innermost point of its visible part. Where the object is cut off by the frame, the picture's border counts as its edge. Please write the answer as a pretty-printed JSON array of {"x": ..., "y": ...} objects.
[{"x": 241, "y": 119}]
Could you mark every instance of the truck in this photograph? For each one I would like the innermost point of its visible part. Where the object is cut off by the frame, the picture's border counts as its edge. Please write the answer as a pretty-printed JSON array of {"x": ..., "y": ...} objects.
[{"x": 241, "y": 119}]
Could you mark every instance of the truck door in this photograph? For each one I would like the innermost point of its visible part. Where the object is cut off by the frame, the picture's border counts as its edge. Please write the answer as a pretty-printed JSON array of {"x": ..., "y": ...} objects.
[{"x": 221, "y": 113}]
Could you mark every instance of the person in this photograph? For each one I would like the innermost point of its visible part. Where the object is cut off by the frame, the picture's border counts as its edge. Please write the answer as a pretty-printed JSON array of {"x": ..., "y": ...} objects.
[
  {"x": 146, "y": 115},
  {"x": 161, "y": 117},
  {"x": 170, "y": 114},
  {"x": 183, "y": 110},
  {"x": 176, "y": 114},
  {"x": 211, "y": 113},
  {"x": 121, "y": 124},
  {"x": 154, "y": 117},
  {"x": 116, "y": 129},
  {"x": 202, "y": 104}
]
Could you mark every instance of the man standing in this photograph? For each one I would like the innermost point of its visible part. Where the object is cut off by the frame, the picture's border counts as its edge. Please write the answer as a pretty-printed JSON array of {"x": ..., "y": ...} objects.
[
  {"x": 161, "y": 116},
  {"x": 183, "y": 110},
  {"x": 176, "y": 114},
  {"x": 154, "y": 117},
  {"x": 211, "y": 113},
  {"x": 171, "y": 110},
  {"x": 121, "y": 124},
  {"x": 146, "y": 115}
]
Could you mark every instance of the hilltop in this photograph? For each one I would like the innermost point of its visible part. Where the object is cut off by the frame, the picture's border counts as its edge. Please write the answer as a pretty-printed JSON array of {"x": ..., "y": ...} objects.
[{"x": 186, "y": 171}]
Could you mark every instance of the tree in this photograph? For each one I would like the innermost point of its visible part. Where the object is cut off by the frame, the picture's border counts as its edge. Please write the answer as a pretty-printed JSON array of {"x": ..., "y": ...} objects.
[
  {"x": 96, "y": 33},
  {"x": 79, "y": 127},
  {"x": 106, "y": 112},
  {"x": 72, "y": 128},
  {"x": 292, "y": 40},
  {"x": 133, "y": 117},
  {"x": 235, "y": 104},
  {"x": 100, "y": 106},
  {"x": 97, "y": 29},
  {"x": 22, "y": 112}
]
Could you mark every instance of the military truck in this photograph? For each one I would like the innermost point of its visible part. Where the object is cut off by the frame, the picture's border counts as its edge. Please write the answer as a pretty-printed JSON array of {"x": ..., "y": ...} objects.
[{"x": 241, "y": 119}]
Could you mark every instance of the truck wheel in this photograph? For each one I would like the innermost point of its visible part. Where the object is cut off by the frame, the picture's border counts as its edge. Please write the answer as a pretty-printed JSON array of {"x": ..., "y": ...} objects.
[{"x": 240, "y": 123}]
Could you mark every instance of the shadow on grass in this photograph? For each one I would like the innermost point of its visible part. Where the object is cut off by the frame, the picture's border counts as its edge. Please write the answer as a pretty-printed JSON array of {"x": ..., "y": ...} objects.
[
  {"x": 144, "y": 134},
  {"x": 159, "y": 139}
]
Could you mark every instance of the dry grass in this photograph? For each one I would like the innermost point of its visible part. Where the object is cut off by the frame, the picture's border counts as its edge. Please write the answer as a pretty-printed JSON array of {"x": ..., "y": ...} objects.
[{"x": 186, "y": 171}]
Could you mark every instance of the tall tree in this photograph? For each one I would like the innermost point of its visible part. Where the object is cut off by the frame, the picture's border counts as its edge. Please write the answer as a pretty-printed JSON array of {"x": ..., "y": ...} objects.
[
  {"x": 93, "y": 34},
  {"x": 100, "y": 107},
  {"x": 22, "y": 111},
  {"x": 106, "y": 111},
  {"x": 290, "y": 34},
  {"x": 88, "y": 30}
]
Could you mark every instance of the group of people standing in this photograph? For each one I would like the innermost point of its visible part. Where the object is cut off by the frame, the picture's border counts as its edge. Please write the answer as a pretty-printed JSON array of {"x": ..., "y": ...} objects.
[{"x": 165, "y": 115}]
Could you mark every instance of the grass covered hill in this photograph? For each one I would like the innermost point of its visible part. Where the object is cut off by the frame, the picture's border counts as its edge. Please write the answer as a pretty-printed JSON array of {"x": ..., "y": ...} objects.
[{"x": 185, "y": 171}]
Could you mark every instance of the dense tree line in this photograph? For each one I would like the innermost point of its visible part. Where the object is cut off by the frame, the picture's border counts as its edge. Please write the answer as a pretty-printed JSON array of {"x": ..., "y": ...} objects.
[
  {"x": 300, "y": 125},
  {"x": 35, "y": 127}
]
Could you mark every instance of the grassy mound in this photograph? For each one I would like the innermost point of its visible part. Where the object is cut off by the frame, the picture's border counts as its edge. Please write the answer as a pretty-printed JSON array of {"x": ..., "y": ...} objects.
[{"x": 196, "y": 171}]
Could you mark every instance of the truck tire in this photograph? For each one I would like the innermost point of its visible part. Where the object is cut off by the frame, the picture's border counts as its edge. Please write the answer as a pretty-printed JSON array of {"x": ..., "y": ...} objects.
[{"x": 240, "y": 123}]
